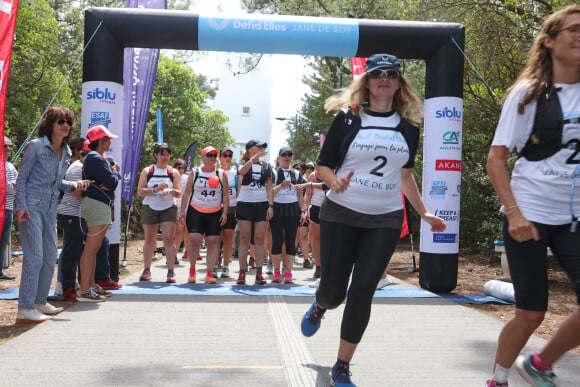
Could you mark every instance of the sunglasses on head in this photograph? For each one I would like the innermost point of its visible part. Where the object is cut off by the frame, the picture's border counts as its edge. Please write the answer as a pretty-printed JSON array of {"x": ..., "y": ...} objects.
[
  {"x": 286, "y": 154},
  {"x": 227, "y": 155},
  {"x": 211, "y": 155},
  {"x": 61, "y": 121},
  {"x": 389, "y": 74}
]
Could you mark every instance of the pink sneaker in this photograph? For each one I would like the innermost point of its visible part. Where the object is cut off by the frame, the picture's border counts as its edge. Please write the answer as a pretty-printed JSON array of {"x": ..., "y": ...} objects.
[
  {"x": 492, "y": 383},
  {"x": 277, "y": 278},
  {"x": 288, "y": 277}
]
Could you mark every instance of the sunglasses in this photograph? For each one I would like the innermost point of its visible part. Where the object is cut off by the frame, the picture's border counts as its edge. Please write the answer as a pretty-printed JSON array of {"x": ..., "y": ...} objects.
[
  {"x": 61, "y": 121},
  {"x": 286, "y": 154},
  {"x": 389, "y": 74},
  {"x": 212, "y": 155},
  {"x": 8, "y": 146},
  {"x": 180, "y": 167},
  {"x": 227, "y": 155}
]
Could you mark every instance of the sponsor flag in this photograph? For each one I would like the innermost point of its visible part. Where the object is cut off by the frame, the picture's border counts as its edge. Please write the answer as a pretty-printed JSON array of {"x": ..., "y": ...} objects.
[
  {"x": 189, "y": 156},
  {"x": 159, "y": 126},
  {"x": 8, "y": 14},
  {"x": 358, "y": 68},
  {"x": 139, "y": 72}
]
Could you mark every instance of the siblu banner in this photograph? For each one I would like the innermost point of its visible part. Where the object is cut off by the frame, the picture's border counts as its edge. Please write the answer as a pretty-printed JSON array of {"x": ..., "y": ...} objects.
[
  {"x": 8, "y": 14},
  {"x": 139, "y": 72}
]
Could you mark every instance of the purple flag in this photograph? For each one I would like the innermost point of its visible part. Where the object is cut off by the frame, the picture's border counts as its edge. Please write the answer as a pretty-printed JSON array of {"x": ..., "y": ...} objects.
[{"x": 139, "y": 72}]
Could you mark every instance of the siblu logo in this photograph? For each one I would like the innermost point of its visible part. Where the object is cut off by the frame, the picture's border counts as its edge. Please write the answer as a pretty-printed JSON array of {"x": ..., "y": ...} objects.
[
  {"x": 101, "y": 94},
  {"x": 450, "y": 137},
  {"x": 452, "y": 114}
]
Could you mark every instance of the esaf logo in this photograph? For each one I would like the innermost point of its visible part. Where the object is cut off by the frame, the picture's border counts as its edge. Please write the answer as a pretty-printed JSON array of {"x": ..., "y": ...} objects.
[{"x": 451, "y": 114}]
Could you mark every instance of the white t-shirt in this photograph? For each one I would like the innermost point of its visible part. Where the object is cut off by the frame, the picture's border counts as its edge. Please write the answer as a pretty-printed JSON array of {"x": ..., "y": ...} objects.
[
  {"x": 376, "y": 155},
  {"x": 543, "y": 189},
  {"x": 287, "y": 194},
  {"x": 158, "y": 202},
  {"x": 232, "y": 175}
]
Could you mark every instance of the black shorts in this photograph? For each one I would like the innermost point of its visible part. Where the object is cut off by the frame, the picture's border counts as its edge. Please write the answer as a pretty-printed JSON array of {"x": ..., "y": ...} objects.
[
  {"x": 314, "y": 214},
  {"x": 202, "y": 223},
  {"x": 255, "y": 212},
  {"x": 231, "y": 222},
  {"x": 528, "y": 264}
]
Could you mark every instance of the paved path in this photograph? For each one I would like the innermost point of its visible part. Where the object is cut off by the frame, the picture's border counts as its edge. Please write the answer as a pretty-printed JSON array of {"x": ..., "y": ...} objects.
[{"x": 152, "y": 340}]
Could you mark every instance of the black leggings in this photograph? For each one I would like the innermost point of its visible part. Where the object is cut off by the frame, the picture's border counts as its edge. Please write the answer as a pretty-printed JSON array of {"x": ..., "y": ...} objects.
[
  {"x": 284, "y": 230},
  {"x": 364, "y": 252}
]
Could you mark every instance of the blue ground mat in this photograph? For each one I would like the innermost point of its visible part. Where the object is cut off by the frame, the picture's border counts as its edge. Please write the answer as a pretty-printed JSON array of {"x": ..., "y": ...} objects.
[{"x": 160, "y": 289}]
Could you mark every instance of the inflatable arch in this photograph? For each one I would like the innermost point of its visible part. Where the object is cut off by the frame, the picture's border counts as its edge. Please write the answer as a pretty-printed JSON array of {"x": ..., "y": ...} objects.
[{"x": 109, "y": 30}]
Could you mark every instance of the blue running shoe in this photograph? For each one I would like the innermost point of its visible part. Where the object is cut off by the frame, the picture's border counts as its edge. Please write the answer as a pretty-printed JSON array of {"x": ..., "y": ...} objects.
[
  {"x": 311, "y": 320},
  {"x": 340, "y": 377},
  {"x": 534, "y": 376}
]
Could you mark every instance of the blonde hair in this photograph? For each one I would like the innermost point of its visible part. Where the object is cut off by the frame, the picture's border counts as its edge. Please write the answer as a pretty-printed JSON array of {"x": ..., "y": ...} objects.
[
  {"x": 539, "y": 68},
  {"x": 405, "y": 101}
]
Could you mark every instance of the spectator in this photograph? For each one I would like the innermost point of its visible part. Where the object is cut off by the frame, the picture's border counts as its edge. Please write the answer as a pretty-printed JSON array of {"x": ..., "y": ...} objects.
[
  {"x": 97, "y": 208},
  {"x": 180, "y": 227},
  {"x": 159, "y": 184},
  {"x": 40, "y": 180},
  {"x": 229, "y": 229},
  {"x": 11, "y": 176}
]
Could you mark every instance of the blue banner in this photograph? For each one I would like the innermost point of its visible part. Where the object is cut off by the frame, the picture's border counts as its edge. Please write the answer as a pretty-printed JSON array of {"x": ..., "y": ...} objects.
[
  {"x": 139, "y": 73},
  {"x": 264, "y": 33}
]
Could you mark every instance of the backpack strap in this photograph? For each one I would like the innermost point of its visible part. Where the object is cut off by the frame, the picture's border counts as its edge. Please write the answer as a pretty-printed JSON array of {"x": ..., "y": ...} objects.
[{"x": 351, "y": 127}]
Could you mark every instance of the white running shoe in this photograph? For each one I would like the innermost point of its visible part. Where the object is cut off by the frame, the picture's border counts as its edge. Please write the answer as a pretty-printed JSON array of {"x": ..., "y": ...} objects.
[
  {"x": 27, "y": 316},
  {"x": 314, "y": 284},
  {"x": 384, "y": 282},
  {"x": 48, "y": 309}
]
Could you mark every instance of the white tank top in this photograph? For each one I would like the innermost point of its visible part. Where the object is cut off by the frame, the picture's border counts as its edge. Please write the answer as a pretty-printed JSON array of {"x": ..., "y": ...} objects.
[
  {"x": 158, "y": 202},
  {"x": 205, "y": 198}
]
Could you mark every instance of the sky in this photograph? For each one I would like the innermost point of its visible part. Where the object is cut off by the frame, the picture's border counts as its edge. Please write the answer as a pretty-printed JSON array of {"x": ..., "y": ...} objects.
[{"x": 287, "y": 87}]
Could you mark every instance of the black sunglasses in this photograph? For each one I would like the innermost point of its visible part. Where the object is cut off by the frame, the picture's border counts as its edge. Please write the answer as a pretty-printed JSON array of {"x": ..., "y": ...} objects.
[
  {"x": 212, "y": 155},
  {"x": 61, "y": 121},
  {"x": 389, "y": 74},
  {"x": 227, "y": 155},
  {"x": 286, "y": 154}
]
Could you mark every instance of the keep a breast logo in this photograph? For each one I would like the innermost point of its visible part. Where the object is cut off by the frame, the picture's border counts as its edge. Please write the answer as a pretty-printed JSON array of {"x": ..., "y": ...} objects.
[{"x": 217, "y": 24}]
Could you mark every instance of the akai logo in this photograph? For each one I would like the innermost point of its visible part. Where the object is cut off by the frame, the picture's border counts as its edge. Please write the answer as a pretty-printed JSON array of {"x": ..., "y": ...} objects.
[
  {"x": 448, "y": 165},
  {"x": 101, "y": 94},
  {"x": 451, "y": 114}
]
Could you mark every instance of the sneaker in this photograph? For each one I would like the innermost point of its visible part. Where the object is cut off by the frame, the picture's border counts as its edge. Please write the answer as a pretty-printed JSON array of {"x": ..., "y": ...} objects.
[
  {"x": 58, "y": 289},
  {"x": 48, "y": 309},
  {"x": 226, "y": 272},
  {"x": 214, "y": 271},
  {"x": 492, "y": 383},
  {"x": 314, "y": 284},
  {"x": 192, "y": 276},
  {"x": 177, "y": 261},
  {"x": 109, "y": 284},
  {"x": 307, "y": 264},
  {"x": 28, "y": 316},
  {"x": 311, "y": 320},
  {"x": 277, "y": 277},
  {"x": 146, "y": 275},
  {"x": 199, "y": 258},
  {"x": 340, "y": 377},
  {"x": 269, "y": 269},
  {"x": 534, "y": 376},
  {"x": 241, "y": 278},
  {"x": 260, "y": 279},
  {"x": 185, "y": 255},
  {"x": 288, "y": 277},
  {"x": 252, "y": 263},
  {"x": 101, "y": 292},
  {"x": 266, "y": 261},
  {"x": 210, "y": 278},
  {"x": 383, "y": 282},
  {"x": 170, "y": 278},
  {"x": 317, "y": 273},
  {"x": 7, "y": 277},
  {"x": 90, "y": 296},
  {"x": 69, "y": 294}
]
